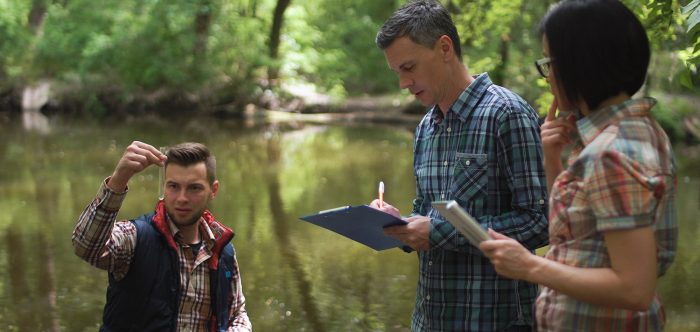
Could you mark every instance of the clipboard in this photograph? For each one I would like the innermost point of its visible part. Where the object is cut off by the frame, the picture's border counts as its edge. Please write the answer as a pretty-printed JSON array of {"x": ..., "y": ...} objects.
[
  {"x": 462, "y": 221},
  {"x": 360, "y": 223}
]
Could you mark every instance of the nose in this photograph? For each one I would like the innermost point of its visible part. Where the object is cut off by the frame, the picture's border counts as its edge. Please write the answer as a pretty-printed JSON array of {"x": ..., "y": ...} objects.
[
  {"x": 405, "y": 82},
  {"x": 181, "y": 195}
]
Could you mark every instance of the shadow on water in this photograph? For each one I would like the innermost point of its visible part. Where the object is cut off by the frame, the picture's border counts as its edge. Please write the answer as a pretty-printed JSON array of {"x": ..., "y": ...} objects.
[
  {"x": 22, "y": 307},
  {"x": 32, "y": 259},
  {"x": 48, "y": 195}
]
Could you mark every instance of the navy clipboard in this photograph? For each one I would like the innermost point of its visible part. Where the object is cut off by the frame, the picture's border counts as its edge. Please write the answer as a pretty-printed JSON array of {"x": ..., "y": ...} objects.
[{"x": 359, "y": 223}]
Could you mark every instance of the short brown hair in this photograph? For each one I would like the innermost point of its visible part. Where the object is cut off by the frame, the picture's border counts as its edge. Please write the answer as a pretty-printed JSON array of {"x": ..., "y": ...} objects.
[{"x": 190, "y": 153}]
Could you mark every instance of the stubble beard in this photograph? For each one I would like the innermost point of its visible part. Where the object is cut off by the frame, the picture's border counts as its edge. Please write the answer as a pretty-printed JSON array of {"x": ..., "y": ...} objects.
[{"x": 187, "y": 222}]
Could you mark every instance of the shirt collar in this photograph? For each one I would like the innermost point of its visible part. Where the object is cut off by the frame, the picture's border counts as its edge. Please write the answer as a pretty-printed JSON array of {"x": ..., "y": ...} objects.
[
  {"x": 204, "y": 232},
  {"x": 467, "y": 100},
  {"x": 591, "y": 125}
]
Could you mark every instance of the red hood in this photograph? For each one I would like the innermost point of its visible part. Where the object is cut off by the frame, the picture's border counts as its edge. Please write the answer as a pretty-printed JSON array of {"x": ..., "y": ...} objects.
[{"x": 222, "y": 234}]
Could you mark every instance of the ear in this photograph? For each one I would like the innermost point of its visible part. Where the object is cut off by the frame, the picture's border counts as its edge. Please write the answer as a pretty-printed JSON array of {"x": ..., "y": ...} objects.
[
  {"x": 445, "y": 46},
  {"x": 214, "y": 189}
]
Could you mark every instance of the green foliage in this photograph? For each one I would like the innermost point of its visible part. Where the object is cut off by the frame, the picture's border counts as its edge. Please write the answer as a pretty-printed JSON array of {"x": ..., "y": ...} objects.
[
  {"x": 660, "y": 18},
  {"x": 544, "y": 101},
  {"x": 665, "y": 23},
  {"x": 332, "y": 45},
  {"x": 670, "y": 120},
  {"x": 15, "y": 38},
  {"x": 142, "y": 45},
  {"x": 135, "y": 48},
  {"x": 500, "y": 37},
  {"x": 691, "y": 55}
]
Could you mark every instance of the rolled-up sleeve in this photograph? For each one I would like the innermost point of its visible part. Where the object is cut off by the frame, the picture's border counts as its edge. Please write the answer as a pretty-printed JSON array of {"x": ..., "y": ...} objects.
[{"x": 99, "y": 239}]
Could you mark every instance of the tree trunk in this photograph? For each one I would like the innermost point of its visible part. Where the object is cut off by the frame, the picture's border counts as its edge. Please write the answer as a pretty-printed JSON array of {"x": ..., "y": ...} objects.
[
  {"x": 248, "y": 8},
  {"x": 36, "y": 16},
  {"x": 275, "y": 32},
  {"x": 202, "y": 22},
  {"x": 35, "y": 96},
  {"x": 499, "y": 73}
]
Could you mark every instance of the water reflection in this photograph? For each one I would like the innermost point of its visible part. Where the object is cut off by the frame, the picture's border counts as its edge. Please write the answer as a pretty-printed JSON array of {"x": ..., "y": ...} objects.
[
  {"x": 33, "y": 98},
  {"x": 296, "y": 277},
  {"x": 286, "y": 248}
]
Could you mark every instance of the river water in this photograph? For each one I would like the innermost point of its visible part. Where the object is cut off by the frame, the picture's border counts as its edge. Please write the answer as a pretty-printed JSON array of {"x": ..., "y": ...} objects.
[{"x": 296, "y": 276}]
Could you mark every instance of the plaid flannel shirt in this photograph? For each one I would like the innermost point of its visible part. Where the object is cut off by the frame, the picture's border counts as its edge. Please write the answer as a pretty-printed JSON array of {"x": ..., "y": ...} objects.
[
  {"x": 486, "y": 154},
  {"x": 110, "y": 246},
  {"x": 623, "y": 177}
]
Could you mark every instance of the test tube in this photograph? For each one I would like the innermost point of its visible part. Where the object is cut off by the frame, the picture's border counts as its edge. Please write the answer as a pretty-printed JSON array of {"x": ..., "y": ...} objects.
[{"x": 161, "y": 175}]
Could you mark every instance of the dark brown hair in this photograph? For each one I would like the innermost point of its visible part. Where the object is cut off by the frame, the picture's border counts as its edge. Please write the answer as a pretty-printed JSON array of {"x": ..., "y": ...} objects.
[
  {"x": 189, "y": 153},
  {"x": 598, "y": 48}
]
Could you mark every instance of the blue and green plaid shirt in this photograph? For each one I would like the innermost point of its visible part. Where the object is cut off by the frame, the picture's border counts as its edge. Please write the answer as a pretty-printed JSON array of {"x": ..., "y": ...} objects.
[{"x": 486, "y": 154}]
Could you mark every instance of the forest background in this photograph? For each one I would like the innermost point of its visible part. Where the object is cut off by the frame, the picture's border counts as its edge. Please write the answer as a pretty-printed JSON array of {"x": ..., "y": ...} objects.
[
  {"x": 135, "y": 57},
  {"x": 93, "y": 75}
]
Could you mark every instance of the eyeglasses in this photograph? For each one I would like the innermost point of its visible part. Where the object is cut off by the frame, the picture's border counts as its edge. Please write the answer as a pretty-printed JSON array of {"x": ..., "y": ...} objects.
[{"x": 543, "y": 66}]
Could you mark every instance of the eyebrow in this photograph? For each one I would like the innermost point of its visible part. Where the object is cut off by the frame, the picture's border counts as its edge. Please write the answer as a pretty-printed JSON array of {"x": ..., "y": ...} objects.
[{"x": 403, "y": 65}]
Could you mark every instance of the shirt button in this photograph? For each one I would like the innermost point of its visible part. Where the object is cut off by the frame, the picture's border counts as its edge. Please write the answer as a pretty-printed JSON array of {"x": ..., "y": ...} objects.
[
  {"x": 468, "y": 162},
  {"x": 449, "y": 129},
  {"x": 445, "y": 163},
  {"x": 427, "y": 297},
  {"x": 442, "y": 196},
  {"x": 541, "y": 201},
  {"x": 430, "y": 263}
]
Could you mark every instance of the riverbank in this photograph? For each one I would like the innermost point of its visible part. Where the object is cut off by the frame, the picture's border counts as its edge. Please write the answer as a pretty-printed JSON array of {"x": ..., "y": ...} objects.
[
  {"x": 678, "y": 114},
  {"x": 288, "y": 103}
]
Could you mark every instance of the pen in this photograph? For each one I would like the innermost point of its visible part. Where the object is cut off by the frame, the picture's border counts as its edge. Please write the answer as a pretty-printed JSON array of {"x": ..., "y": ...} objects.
[{"x": 381, "y": 194}]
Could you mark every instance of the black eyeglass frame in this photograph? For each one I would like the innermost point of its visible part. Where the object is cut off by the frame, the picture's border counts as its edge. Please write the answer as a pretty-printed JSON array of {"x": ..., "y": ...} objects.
[{"x": 543, "y": 66}]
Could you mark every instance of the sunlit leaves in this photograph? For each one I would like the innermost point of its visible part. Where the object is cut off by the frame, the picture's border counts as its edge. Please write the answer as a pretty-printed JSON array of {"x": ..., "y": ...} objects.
[
  {"x": 692, "y": 10},
  {"x": 665, "y": 21},
  {"x": 691, "y": 55},
  {"x": 332, "y": 45}
]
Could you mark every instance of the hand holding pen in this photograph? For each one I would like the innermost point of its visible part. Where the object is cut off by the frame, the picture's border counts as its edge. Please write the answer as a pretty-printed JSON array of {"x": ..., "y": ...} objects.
[{"x": 380, "y": 205}]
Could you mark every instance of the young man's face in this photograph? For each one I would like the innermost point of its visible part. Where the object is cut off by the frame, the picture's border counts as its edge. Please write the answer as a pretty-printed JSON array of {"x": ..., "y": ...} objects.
[
  {"x": 187, "y": 192},
  {"x": 421, "y": 70}
]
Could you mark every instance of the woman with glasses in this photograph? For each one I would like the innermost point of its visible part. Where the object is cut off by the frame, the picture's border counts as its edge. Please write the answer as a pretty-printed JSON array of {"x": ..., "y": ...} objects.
[{"x": 612, "y": 226}]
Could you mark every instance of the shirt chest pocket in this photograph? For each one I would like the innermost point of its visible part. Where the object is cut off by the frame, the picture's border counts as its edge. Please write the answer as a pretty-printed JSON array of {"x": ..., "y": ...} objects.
[{"x": 470, "y": 179}]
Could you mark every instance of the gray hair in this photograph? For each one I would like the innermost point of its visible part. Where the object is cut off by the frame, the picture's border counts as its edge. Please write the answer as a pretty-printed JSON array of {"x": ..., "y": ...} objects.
[{"x": 423, "y": 21}]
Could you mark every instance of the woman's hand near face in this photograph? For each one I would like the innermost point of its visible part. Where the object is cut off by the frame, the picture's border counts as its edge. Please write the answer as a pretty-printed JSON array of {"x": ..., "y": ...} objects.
[
  {"x": 556, "y": 132},
  {"x": 556, "y": 135}
]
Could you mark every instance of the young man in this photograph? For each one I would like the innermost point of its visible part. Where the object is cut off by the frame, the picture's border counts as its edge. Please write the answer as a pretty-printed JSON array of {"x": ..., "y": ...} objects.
[
  {"x": 478, "y": 144},
  {"x": 173, "y": 269}
]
